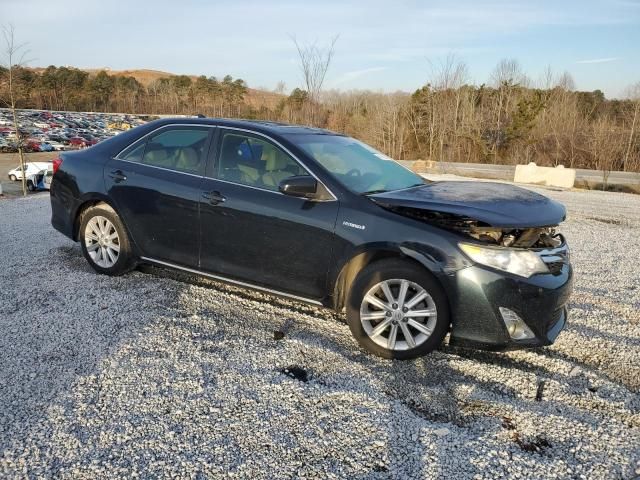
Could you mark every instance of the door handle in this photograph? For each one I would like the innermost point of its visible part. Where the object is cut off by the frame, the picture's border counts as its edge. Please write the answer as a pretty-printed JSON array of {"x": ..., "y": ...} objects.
[
  {"x": 214, "y": 198},
  {"x": 118, "y": 176}
]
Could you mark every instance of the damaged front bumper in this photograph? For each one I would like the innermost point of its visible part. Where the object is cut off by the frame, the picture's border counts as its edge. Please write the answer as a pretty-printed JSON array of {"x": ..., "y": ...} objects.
[{"x": 481, "y": 297}]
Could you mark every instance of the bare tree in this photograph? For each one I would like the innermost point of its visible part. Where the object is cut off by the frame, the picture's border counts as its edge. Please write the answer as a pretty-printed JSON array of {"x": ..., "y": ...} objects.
[
  {"x": 314, "y": 64},
  {"x": 508, "y": 71},
  {"x": 15, "y": 58},
  {"x": 634, "y": 96},
  {"x": 281, "y": 88},
  {"x": 450, "y": 73}
]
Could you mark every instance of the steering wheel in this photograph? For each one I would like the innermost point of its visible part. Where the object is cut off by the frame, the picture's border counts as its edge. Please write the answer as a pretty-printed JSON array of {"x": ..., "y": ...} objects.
[{"x": 354, "y": 172}]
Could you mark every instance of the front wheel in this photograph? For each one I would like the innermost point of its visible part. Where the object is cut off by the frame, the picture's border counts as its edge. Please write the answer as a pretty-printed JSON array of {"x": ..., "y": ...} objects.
[
  {"x": 12, "y": 178},
  {"x": 396, "y": 309},
  {"x": 104, "y": 240}
]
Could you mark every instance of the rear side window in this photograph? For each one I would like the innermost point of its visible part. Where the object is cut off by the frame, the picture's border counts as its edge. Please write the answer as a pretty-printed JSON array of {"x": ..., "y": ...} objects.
[
  {"x": 179, "y": 149},
  {"x": 133, "y": 154}
]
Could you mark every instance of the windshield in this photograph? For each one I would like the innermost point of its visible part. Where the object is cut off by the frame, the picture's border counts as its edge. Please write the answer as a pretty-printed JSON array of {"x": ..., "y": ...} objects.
[{"x": 359, "y": 167}]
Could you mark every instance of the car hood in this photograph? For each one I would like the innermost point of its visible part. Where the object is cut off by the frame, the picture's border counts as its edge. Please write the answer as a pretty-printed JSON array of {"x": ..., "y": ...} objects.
[{"x": 496, "y": 204}]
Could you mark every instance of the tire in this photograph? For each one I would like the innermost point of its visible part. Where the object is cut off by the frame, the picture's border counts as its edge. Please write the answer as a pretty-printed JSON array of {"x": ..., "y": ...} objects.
[
  {"x": 105, "y": 253},
  {"x": 426, "y": 322},
  {"x": 12, "y": 178},
  {"x": 30, "y": 186}
]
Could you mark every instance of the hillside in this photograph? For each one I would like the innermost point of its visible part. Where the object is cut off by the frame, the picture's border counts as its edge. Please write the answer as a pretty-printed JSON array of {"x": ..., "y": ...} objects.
[{"x": 255, "y": 98}]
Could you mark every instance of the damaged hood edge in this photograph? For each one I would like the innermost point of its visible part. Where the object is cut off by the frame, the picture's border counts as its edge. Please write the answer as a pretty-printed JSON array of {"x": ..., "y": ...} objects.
[{"x": 496, "y": 204}]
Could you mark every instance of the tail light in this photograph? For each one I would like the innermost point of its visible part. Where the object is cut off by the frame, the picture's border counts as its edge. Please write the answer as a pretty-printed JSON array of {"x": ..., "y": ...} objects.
[{"x": 56, "y": 164}]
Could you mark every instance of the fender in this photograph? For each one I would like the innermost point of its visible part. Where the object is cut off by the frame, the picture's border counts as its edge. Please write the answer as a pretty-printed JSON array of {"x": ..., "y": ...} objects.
[
  {"x": 92, "y": 198},
  {"x": 428, "y": 257}
]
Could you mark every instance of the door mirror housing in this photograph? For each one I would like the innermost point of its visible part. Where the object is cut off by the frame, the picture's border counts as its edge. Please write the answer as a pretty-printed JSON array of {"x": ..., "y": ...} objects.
[{"x": 304, "y": 186}]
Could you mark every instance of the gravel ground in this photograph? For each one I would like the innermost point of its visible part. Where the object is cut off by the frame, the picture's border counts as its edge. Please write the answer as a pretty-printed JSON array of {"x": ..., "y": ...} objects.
[{"x": 157, "y": 374}]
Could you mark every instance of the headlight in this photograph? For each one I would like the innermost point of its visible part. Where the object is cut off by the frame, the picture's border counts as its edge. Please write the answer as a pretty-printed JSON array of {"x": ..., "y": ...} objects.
[{"x": 519, "y": 262}]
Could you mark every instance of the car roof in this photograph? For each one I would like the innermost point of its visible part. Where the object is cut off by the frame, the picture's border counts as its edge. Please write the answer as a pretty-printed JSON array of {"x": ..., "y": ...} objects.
[{"x": 263, "y": 126}]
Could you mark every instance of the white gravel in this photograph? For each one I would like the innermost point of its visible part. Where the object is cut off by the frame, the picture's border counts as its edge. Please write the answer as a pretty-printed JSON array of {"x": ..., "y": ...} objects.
[{"x": 161, "y": 375}]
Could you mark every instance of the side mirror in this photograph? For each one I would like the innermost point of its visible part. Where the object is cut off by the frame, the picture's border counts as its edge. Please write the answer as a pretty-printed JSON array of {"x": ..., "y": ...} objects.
[{"x": 299, "y": 186}]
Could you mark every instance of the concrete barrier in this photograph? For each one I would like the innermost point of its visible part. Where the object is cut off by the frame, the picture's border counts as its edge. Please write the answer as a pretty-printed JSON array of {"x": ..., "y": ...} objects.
[
  {"x": 549, "y": 176},
  {"x": 422, "y": 166}
]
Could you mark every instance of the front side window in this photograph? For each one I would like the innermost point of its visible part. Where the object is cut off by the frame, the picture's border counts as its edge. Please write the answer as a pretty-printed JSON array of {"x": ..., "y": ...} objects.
[
  {"x": 255, "y": 162},
  {"x": 179, "y": 149},
  {"x": 356, "y": 165}
]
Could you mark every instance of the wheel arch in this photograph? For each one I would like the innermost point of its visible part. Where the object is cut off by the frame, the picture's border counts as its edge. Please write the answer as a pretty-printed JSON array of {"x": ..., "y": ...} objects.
[
  {"x": 88, "y": 201},
  {"x": 373, "y": 253}
]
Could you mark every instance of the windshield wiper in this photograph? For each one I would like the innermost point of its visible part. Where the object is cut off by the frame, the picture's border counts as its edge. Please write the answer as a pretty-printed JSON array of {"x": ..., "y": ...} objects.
[
  {"x": 382, "y": 190},
  {"x": 371, "y": 192}
]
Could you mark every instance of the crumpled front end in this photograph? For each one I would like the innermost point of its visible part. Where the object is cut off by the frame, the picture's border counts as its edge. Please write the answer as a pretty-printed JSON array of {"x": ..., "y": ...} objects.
[
  {"x": 515, "y": 291},
  {"x": 495, "y": 310}
]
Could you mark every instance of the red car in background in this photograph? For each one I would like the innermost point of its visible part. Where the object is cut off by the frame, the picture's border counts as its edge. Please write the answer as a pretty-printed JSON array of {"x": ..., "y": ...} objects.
[{"x": 78, "y": 142}]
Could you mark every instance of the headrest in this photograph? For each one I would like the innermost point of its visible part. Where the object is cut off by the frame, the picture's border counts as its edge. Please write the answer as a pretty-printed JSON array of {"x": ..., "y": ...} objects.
[
  {"x": 188, "y": 158},
  {"x": 155, "y": 155},
  {"x": 274, "y": 159}
]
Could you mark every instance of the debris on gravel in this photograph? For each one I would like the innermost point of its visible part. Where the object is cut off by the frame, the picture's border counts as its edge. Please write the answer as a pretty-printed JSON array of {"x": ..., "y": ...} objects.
[{"x": 158, "y": 374}]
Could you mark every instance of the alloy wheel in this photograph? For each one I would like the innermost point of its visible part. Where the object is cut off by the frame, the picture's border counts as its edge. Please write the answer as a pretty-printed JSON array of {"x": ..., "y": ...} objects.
[
  {"x": 398, "y": 314},
  {"x": 102, "y": 242}
]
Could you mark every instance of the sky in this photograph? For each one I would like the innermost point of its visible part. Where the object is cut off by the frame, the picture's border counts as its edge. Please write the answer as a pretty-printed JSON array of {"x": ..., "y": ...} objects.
[{"x": 382, "y": 45}]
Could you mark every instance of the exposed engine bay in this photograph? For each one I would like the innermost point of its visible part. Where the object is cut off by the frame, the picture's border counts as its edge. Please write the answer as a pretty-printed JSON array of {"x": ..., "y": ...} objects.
[{"x": 538, "y": 237}]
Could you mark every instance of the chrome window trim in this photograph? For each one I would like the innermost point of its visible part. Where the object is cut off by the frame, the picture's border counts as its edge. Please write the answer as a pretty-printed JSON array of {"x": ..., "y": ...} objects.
[
  {"x": 117, "y": 157},
  {"x": 160, "y": 168},
  {"x": 231, "y": 281},
  {"x": 276, "y": 192}
]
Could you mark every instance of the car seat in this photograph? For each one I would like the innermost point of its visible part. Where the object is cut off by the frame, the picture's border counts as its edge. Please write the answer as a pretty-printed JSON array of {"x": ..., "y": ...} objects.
[
  {"x": 157, "y": 156},
  {"x": 188, "y": 160},
  {"x": 237, "y": 163},
  {"x": 275, "y": 166}
]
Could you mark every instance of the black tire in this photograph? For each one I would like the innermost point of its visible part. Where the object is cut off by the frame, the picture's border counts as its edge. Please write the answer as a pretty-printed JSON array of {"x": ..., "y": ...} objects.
[
  {"x": 30, "y": 186},
  {"x": 12, "y": 178},
  {"x": 126, "y": 260},
  {"x": 388, "y": 269}
]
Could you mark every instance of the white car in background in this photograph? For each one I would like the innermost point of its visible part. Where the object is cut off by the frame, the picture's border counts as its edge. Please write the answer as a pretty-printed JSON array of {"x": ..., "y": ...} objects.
[
  {"x": 31, "y": 168},
  {"x": 57, "y": 146}
]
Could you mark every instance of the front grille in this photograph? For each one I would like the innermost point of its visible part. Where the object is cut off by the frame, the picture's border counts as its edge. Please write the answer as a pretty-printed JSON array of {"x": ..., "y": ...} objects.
[{"x": 555, "y": 258}]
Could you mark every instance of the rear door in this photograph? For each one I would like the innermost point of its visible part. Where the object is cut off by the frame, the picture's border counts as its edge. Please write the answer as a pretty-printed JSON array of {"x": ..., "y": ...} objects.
[
  {"x": 156, "y": 186},
  {"x": 252, "y": 232}
]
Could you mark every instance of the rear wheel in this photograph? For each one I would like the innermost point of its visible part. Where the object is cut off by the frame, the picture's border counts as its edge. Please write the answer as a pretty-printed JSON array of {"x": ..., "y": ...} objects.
[
  {"x": 104, "y": 240},
  {"x": 396, "y": 309}
]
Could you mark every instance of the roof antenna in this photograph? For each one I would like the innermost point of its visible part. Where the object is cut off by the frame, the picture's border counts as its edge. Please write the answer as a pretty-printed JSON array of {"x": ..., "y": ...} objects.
[{"x": 200, "y": 116}]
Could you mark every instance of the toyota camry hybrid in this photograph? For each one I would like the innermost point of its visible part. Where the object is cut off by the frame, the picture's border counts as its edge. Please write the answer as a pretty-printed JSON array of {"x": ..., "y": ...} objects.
[{"x": 323, "y": 218}]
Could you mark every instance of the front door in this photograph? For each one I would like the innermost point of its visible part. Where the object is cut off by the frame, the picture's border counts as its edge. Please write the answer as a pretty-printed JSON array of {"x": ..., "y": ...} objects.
[
  {"x": 156, "y": 186},
  {"x": 252, "y": 232}
]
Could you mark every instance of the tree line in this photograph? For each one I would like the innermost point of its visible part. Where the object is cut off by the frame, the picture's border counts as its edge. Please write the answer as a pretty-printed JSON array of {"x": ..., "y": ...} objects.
[
  {"x": 72, "y": 89},
  {"x": 508, "y": 120}
]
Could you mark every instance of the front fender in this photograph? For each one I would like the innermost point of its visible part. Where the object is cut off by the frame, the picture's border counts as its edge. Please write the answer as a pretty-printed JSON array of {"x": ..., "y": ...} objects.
[{"x": 436, "y": 260}]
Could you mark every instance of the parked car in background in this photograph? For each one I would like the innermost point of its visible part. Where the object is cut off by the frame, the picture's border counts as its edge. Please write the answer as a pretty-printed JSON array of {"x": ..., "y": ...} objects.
[
  {"x": 78, "y": 142},
  {"x": 323, "y": 218},
  {"x": 57, "y": 146},
  {"x": 31, "y": 168},
  {"x": 42, "y": 127},
  {"x": 41, "y": 180}
]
